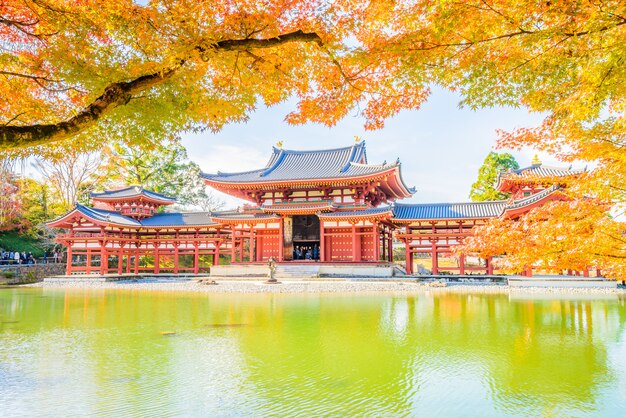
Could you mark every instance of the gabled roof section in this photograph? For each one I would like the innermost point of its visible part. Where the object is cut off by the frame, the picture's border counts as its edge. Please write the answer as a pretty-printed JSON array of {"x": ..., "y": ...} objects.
[
  {"x": 285, "y": 165},
  {"x": 179, "y": 219},
  {"x": 472, "y": 210},
  {"x": 132, "y": 192},
  {"x": 234, "y": 216},
  {"x": 440, "y": 211},
  {"x": 537, "y": 172},
  {"x": 98, "y": 215},
  {"x": 521, "y": 206},
  {"x": 381, "y": 212},
  {"x": 300, "y": 208}
]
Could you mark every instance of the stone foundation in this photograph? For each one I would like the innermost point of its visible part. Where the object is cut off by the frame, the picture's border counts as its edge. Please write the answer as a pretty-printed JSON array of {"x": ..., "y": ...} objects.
[{"x": 25, "y": 273}]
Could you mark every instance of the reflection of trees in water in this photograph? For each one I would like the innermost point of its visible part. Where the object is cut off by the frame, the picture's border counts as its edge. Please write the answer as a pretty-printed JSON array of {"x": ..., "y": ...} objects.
[
  {"x": 539, "y": 355},
  {"x": 311, "y": 354},
  {"x": 532, "y": 355}
]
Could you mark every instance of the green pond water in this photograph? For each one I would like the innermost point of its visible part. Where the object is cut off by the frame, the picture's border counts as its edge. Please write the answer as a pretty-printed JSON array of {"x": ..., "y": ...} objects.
[{"x": 140, "y": 353}]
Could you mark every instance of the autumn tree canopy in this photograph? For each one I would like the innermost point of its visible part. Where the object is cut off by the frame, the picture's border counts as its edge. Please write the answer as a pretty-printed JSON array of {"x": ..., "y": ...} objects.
[{"x": 90, "y": 69}]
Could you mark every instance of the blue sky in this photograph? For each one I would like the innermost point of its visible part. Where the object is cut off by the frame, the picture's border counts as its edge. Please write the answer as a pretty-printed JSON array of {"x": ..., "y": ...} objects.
[{"x": 440, "y": 145}]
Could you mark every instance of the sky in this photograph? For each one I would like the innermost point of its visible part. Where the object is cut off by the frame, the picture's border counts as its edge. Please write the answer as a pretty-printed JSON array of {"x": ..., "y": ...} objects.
[{"x": 441, "y": 146}]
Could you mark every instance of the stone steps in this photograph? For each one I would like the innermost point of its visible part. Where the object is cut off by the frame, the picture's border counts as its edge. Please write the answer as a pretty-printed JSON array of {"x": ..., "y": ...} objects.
[{"x": 285, "y": 271}]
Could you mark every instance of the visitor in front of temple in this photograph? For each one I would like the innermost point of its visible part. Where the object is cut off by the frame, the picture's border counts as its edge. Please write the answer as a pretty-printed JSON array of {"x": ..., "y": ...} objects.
[{"x": 297, "y": 253}]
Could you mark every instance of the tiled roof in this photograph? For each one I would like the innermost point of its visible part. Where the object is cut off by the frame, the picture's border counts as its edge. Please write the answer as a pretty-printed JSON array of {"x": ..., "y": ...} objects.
[
  {"x": 365, "y": 212},
  {"x": 469, "y": 210},
  {"x": 302, "y": 165},
  {"x": 132, "y": 191},
  {"x": 107, "y": 216},
  {"x": 236, "y": 215},
  {"x": 537, "y": 171},
  {"x": 532, "y": 198},
  {"x": 179, "y": 219},
  {"x": 294, "y": 206},
  {"x": 540, "y": 170}
]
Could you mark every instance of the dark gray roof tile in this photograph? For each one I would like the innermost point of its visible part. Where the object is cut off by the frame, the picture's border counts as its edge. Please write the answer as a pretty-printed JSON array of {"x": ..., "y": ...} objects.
[
  {"x": 468, "y": 210},
  {"x": 131, "y": 191},
  {"x": 302, "y": 165}
]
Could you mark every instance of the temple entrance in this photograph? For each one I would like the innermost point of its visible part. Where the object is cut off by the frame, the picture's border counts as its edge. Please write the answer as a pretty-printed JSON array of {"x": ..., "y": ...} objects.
[{"x": 306, "y": 237}]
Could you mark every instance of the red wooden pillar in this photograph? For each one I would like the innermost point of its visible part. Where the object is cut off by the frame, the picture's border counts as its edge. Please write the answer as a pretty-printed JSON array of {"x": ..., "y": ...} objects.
[
  {"x": 586, "y": 272},
  {"x": 216, "y": 253},
  {"x": 196, "y": 258},
  {"x": 376, "y": 232},
  {"x": 462, "y": 264},
  {"x": 355, "y": 256},
  {"x": 175, "y": 257},
  {"x": 259, "y": 242},
  {"x": 104, "y": 260},
  {"x": 156, "y": 259},
  {"x": 390, "y": 247},
  {"x": 88, "y": 266},
  {"x": 233, "y": 253},
  {"x": 490, "y": 265},
  {"x": 68, "y": 264},
  {"x": 384, "y": 245},
  {"x": 128, "y": 263},
  {"x": 409, "y": 259},
  {"x": 435, "y": 259},
  {"x": 598, "y": 273},
  {"x": 120, "y": 260},
  {"x": 252, "y": 246},
  {"x": 281, "y": 240},
  {"x": 137, "y": 261},
  {"x": 322, "y": 241}
]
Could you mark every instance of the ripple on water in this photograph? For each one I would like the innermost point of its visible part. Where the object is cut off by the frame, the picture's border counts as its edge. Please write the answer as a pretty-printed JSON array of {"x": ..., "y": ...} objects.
[{"x": 104, "y": 355}]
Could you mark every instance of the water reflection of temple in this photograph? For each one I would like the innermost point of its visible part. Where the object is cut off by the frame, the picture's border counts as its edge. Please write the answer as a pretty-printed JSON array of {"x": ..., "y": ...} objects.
[{"x": 311, "y": 354}]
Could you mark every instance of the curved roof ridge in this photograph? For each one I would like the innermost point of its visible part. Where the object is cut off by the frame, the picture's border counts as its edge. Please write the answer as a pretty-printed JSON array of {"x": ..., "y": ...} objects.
[
  {"x": 381, "y": 165},
  {"x": 231, "y": 173},
  {"x": 138, "y": 191},
  {"x": 534, "y": 197},
  {"x": 352, "y": 156},
  {"x": 486, "y": 202},
  {"x": 538, "y": 167},
  {"x": 292, "y": 151},
  {"x": 278, "y": 159}
]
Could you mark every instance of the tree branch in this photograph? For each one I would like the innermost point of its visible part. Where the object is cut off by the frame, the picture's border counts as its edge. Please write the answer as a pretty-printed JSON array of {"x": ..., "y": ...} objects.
[{"x": 119, "y": 93}]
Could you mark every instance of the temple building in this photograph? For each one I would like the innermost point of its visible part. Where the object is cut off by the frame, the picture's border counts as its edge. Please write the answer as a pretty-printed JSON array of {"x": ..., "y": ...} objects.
[
  {"x": 432, "y": 229},
  {"x": 331, "y": 203},
  {"x": 322, "y": 206}
]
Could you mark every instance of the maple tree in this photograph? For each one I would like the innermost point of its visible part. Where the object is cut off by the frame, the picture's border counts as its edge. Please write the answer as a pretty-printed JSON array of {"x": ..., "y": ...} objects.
[{"x": 83, "y": 69}]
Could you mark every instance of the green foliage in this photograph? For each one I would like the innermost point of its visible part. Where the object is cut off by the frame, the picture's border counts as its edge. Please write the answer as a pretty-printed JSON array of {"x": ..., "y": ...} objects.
[
  {"x": 15, "y": 241},
  {"x": 164, "y": 168},
  {"x": 38, "y": 203},
  {"x": 8, "y": 274},
  {"x": 485, "y": 186}
]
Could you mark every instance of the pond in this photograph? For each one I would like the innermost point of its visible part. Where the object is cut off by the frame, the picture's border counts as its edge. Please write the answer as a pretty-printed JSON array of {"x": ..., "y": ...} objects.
[{"x": 134, "y": 352}]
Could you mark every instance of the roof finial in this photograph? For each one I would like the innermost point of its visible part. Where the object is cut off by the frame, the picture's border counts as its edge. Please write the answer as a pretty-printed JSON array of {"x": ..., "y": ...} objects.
[
  {"x": 357, "y": 139},
  {"x": 279, "y": 144},
  {"x": 536, "y": 160}
]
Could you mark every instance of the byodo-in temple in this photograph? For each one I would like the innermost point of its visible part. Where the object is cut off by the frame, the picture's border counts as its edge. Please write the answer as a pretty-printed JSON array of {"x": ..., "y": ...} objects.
[{"x": 330, "y": 207}]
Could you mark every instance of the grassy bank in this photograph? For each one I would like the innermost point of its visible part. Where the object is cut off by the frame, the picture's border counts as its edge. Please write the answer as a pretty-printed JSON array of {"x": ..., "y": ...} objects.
[{"x": 14, "y": 241}]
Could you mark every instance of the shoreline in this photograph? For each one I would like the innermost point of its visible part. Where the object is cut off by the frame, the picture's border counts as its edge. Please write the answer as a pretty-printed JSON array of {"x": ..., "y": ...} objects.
[{"x": 317, "y": 287}]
